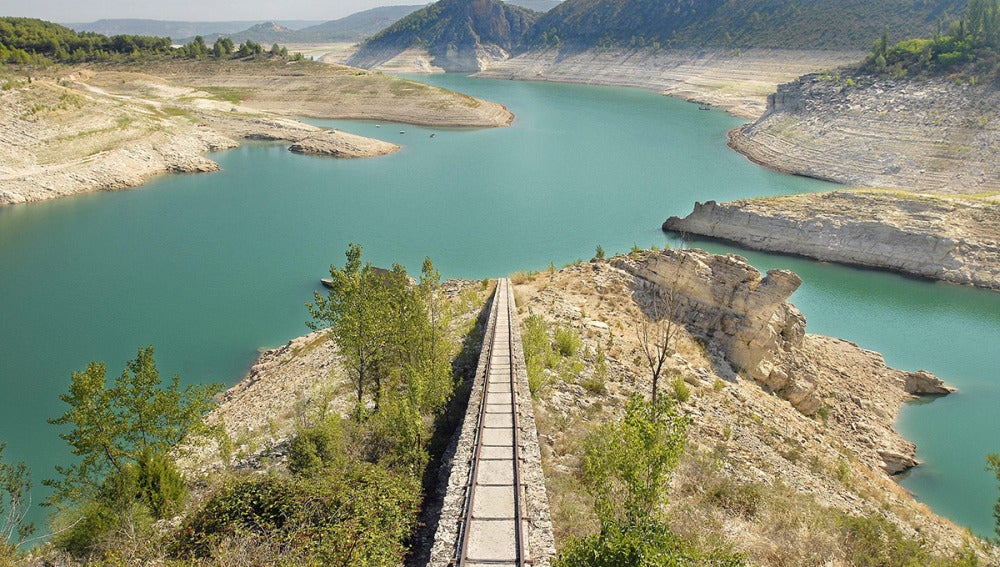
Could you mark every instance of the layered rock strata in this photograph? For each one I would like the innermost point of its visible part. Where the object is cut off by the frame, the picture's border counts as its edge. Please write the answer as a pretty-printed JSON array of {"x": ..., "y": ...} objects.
[
  {"x": 833, "y": 462},
  {"x": 735, "y": 81},
  {"x": 947, "y": 239},
  {"x": 922, "y": 135},
  {"x": 745, "y": 317}
]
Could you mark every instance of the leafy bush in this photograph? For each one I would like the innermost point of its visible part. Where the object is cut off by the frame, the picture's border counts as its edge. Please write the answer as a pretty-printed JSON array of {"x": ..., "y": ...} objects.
[
  {"x": 248, "y": 506},
  {"x": 159, "y": 484},
  {"x": 537, "y": 351},
  {"x": 360, "y": 515},
  {"x": 627, "y": 464},
  {"x": 648, "y": 544},
  {"x": 568, "y": 342},
  {"x": 314, "y": 448},
  {"x": 682, "y": 392},
  {"x": 15, "y": 487},
  {"x": 873, "y": 540}
]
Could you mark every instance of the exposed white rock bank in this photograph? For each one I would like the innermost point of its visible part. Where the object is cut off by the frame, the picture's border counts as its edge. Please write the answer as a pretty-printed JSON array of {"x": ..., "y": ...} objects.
[{"x": 943, "y": 238}]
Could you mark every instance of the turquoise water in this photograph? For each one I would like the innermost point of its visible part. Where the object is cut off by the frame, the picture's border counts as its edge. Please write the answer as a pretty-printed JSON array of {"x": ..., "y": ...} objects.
[{"x": 210, "y": 268}]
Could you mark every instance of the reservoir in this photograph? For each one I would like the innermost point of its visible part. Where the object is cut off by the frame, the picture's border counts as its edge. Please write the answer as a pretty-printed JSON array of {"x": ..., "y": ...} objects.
[{"x": 210, "y": 268}]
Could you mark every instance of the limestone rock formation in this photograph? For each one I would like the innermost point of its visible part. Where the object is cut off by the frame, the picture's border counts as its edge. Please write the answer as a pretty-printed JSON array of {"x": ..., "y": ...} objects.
[
  {"x": 947, "y": 239},
  {"x": 727, "y": 301},
  {"x": 744, "y": 317}
]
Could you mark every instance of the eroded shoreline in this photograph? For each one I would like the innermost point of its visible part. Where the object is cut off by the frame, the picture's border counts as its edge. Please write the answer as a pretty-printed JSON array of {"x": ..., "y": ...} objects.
[
  {"x": 944, "y": 238},
  {"x": 77, "y": 130}
]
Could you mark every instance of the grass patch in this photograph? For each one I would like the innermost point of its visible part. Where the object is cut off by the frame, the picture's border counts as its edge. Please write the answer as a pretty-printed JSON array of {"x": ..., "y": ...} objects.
[{"x": 234, "y": 95}]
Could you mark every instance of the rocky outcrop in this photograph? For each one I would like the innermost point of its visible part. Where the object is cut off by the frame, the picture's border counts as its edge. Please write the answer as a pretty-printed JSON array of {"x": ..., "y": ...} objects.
[
  {"x": 948, "y": 239},
  {"x": 737, "y": 82},
  {"x": 727, "y": 301},
  {"x": 342, "y": 145},
  {"x": 745, "y": 319},
  {"x": 923, "y": 383},
  {"x": 928, "y": 135}
]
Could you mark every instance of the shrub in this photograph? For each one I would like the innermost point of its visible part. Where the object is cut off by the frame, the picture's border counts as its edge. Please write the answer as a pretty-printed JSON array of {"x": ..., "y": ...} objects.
[
  {"x": 843, "y": 472},
  {"x": 627, "y": 464},
  {"x": 359, "y": 515},
  {"x": 738, "y": 499},
  {"x": 314, "y": 448},
  {"x": 568, "y": 341},
  {"x": 593, "y": 385},
  {"x": 537, "y": 352},
  {"x": 682, "y": 392},
  {"x": 648, "y": 544},
  {"x": 160, "y": 485},
  {"x": 599, "y": 252},
  {"x": 873, "y": 540}
]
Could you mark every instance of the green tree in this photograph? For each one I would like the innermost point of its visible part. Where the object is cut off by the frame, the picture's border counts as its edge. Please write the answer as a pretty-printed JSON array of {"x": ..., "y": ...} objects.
[
  {"x": 355, "y": 311},
  {"x": 15, "y": 499},
  {"x": 111, "y": 427},
  {"x": 627, "y": 467},
  {"x": 628, "y": 464},
  {"x": 222, "y": 46},
  {"x": 394, "y": 335}
]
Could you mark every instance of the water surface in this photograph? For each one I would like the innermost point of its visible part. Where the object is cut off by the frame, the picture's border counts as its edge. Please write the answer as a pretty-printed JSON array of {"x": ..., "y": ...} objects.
[{"x": 210, "y": 268}]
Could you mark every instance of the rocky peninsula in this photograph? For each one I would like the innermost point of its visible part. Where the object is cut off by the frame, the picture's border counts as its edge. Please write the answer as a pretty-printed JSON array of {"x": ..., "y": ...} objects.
[
  {"x": 946, "y": 238},
  {"x": 78, "y": 129},
  {"x": 798, "y": 421},
  {"x": 925, "y": 135}
]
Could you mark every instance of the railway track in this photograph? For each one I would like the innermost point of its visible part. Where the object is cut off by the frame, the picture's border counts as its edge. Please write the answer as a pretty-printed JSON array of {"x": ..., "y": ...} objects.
[{"x": 493, "y": 526}]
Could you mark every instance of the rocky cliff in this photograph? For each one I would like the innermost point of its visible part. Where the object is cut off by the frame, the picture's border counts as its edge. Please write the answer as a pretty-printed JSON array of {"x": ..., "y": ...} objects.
[
  {"x": 929, "y": 135},
  {"x": 949, "y": 239},
  {"x": 744, "y": 317}
]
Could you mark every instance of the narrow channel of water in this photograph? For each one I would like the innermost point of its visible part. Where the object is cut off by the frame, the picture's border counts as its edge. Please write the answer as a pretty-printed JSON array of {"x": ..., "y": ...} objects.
[{"x": 209, "y": 268}]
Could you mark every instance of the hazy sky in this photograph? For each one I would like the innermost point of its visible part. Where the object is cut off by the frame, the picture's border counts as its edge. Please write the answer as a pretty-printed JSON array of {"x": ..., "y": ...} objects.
[{"x": 83, "y": 11}]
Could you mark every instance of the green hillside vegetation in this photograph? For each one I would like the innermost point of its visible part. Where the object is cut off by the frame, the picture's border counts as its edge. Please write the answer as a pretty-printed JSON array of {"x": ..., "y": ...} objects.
[
  {"x": 26, "y": 41},
  {"x": 823, "y": 24},
  {"x": 969, "y": 51},
  {"x": 456, "y": 24}
]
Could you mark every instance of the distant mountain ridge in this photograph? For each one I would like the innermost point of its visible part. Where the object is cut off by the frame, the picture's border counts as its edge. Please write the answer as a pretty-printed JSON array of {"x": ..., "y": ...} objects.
[
  {"x": 446, "y": 28},
  {"x": 458, "y": 34},
  {"x": 787, "y": 24},
  {"x": 177, "y": 30}
]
